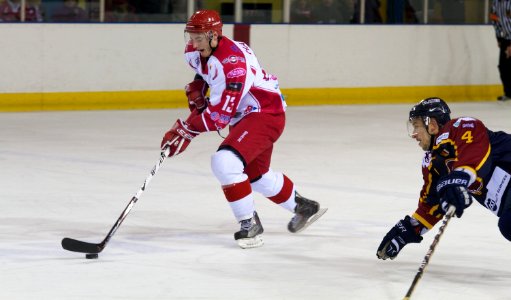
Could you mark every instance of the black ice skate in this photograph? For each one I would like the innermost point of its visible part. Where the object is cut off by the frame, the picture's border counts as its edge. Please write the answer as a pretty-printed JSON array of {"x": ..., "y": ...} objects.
[
  {"x": 306, "y": 213},
  {"x": 249, "y": 235}
]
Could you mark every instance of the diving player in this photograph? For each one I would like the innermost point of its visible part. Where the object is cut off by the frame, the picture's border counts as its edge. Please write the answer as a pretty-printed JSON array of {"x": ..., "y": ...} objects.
[{"x": 463, "y": 161}]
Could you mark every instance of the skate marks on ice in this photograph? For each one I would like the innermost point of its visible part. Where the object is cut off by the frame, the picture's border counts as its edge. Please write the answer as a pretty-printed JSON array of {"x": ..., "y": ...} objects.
[{"x": 177, "y": 242}]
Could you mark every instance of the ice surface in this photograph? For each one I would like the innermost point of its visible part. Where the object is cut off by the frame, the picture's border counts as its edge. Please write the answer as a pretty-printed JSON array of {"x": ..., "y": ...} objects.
[{"x": 70, "y": 174}]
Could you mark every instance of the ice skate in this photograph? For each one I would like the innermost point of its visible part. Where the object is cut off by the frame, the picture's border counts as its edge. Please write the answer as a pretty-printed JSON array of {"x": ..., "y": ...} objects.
[
  {"x": 249, "y": 235},
  {"x": 306, "y": 212}
]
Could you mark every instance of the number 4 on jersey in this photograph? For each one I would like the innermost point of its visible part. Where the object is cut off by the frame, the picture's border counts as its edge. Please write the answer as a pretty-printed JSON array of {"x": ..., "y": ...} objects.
[{"x": 467, "y": 137}]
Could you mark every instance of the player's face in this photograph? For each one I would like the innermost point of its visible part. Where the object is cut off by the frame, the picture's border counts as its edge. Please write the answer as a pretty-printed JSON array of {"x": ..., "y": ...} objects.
[
  {"x": 200, "y": 42},
  {"x": 419, "y": 132}
]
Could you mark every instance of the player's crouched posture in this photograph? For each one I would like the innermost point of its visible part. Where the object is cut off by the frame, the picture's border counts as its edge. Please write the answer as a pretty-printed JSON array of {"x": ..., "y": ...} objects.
[
  {"x": 248, "y": 99},
  {"x": 463, "y": 161}
]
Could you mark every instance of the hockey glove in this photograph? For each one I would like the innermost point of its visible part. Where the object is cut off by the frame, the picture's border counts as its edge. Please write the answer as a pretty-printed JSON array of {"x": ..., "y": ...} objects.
[
  {"x": 196, "y": 94},
  {"x": 404, "y": 232},
  {"x": 178, "y": 138},
  {"x": 452, "y": 190}
]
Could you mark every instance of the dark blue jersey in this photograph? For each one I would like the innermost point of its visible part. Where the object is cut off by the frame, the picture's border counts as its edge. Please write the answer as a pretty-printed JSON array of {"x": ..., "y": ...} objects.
[{"x": 497, "y": 185}]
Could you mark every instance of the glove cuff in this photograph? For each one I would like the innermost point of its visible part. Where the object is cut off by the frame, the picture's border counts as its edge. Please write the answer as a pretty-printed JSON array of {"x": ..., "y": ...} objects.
[
  {"x": 182, "y": 129},
  {"x": 455, "y": 178},
  {"x": 414, "y": 228}
]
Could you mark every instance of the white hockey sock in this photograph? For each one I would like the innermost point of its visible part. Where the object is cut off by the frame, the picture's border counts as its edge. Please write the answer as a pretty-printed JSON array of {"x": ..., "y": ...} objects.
[
  {"x": 272, "y": 185},
  {"x": 243, "y": 208}
]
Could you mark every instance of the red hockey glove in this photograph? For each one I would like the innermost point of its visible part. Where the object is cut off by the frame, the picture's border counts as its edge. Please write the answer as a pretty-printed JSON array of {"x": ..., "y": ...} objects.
[
  {"x": 178, "y": 138},
  {"x": 196, "y": 94}
]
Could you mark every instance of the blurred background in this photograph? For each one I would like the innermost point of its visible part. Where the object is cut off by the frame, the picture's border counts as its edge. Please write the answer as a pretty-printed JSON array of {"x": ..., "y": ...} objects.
[
  {"x": 128, "y": 54},
  {"x": 255, "y": 11}
]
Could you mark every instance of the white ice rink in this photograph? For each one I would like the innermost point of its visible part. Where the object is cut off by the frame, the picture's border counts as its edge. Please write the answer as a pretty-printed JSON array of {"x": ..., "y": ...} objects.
[{"x": 70, "y": 174}]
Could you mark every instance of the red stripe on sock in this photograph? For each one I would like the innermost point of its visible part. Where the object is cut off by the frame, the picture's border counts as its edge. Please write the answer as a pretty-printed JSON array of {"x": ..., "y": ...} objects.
[
  {"x": 285, "y": 192},
  {"x": 236, "y": 191}
]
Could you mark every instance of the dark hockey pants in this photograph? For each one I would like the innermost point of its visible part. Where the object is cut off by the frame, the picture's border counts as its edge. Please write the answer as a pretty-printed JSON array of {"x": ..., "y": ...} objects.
[{"x": 505, "y": 218}]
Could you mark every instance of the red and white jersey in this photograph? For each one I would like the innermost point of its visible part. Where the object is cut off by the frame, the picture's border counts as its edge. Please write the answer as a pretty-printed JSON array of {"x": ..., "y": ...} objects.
[{"x": 238, "y": 85}]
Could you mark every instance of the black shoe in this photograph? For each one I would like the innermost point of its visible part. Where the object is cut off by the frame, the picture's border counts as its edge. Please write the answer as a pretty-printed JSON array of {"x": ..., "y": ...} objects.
[
  {"x": 250, "y": 232},
  {"x": 503, "y": 98},
  {"x": 306, "y": 212}
]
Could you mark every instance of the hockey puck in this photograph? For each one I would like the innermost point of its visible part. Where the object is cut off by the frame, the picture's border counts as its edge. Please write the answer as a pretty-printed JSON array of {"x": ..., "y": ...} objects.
[{"x": 91, "y": 256}]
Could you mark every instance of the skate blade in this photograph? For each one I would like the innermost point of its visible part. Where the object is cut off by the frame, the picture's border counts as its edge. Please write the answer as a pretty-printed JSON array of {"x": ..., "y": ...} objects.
[
  {"x": 313, "y": 219},
  {"x": 248, "y": 243}
]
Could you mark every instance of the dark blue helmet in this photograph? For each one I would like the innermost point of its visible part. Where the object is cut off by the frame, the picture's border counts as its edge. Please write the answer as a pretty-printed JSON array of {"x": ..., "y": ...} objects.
[{"x": 432, "y": 107}]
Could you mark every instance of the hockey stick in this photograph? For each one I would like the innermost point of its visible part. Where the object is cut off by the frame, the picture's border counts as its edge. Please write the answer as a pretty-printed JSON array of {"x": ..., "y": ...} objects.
[
  {"x": 425, "y": 261},
  {"x": 91, "y": 248}
]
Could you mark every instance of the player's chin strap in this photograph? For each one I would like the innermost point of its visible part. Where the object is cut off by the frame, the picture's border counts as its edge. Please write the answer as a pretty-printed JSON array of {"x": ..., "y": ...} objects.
[
  {"x": 433, "y": 137},
  {"x": 431, "y": 142},
  {"x": 210, "y": 36},
  {"x": 218, "y": 131}
]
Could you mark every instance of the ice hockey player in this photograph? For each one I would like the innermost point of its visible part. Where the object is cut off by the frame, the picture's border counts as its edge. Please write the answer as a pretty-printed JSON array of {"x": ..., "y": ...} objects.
[
  {"x": 245, "y": 97},
  {"x": 463, "y": 161}
]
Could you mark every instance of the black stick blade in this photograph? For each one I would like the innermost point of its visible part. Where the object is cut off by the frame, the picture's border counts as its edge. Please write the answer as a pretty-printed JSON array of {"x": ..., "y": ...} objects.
[{"x": 79, "y": 246}]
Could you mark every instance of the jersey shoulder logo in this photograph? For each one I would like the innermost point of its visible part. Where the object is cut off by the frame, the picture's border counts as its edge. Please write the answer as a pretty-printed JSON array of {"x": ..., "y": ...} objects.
[
  {"x": 442, "y": 137},
  {"x": 463, "y": 119},
  {"x": 233, "y": 59}
]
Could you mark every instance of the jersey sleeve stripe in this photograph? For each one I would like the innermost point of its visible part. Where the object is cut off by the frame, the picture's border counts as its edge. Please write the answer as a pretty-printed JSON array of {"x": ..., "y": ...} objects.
[
  {"x": 423, "y": 221},
  {"x": 485, "y": 158}
]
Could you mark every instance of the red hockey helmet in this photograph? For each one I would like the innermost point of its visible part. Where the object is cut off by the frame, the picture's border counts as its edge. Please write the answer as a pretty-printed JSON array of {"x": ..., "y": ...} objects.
[{"x": 204, "y": 21}]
